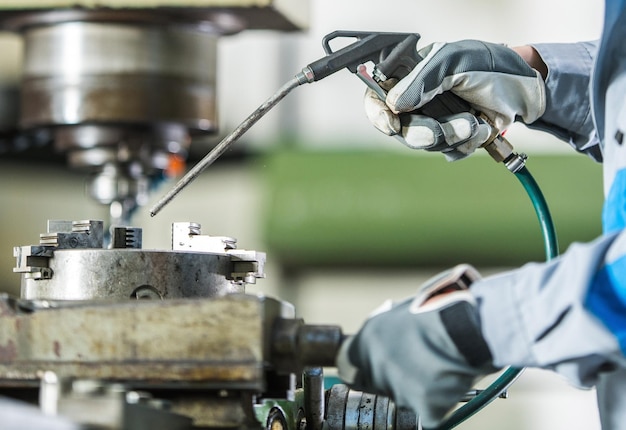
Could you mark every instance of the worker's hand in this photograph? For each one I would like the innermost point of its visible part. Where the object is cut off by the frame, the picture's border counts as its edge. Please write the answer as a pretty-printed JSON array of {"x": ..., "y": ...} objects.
[
  {"x": 493, "y": 79},
  {"x": 424, "y": 353}
]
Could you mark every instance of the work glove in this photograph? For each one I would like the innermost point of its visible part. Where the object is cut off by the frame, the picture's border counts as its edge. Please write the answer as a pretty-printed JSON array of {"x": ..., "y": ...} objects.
[
  {"x": 424, "y": 353},
  {"x": 493, "y": 79}
]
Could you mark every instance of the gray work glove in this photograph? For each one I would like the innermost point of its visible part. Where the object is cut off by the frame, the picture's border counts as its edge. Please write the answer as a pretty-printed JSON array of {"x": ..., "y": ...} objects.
[
  {"x": 424, "y": 356},
  {"x": 493, "y": 79}
]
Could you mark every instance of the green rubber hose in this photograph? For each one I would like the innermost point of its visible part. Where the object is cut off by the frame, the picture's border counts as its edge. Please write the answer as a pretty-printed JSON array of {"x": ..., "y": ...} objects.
[
  {"x": 511, "y": 374},
  {"x": 548, "y": 231}
]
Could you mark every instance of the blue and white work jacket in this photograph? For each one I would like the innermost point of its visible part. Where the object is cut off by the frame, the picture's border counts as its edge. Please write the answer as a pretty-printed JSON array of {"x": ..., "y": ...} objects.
[{"x": 569, "y": 314}]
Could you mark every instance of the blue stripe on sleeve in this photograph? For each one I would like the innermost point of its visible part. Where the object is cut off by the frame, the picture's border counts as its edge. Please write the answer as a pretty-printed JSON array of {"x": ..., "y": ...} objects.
[
  {"x": 606, "y": 299},
  {"x": 614, "y": 211}
]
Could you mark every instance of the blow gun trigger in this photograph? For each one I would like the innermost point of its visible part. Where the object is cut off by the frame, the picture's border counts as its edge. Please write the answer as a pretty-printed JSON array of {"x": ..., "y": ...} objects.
[
  {"x": 364, "y": 47},
  {"x": 361, "y": 72},
  {"x": 398, "y": 62},
  {"x": 363, "y": 75},
  {"x": 395, "y": 62}
]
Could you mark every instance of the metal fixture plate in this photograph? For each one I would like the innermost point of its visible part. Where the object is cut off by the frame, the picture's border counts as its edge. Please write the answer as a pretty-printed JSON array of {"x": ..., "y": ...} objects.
[
  {"x": 220, "y": 343},
  {"x": 69, "y": 263}
]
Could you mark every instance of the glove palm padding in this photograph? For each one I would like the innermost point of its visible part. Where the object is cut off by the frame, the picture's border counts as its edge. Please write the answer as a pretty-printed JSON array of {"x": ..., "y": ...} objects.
[{"x": 492, "y": 78}]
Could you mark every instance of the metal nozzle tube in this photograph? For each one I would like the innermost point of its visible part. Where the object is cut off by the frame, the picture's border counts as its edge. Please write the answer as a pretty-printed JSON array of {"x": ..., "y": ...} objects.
[{"x": 225, "y": 144}]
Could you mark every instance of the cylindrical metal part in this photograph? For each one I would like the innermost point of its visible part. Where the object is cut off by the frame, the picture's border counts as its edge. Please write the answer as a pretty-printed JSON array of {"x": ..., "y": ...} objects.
[
  {"x": 319, "y": 344},
  {"x": 84, "y": 274},
  {"x": 336, "y": 400},
  {"x": 348, "y": 409},
  {"x": 296, "y": 345},
  {"x": 121, "y": 93},
  {"x": 313, "y": 386},
  {"x": 112, "y": 72}
]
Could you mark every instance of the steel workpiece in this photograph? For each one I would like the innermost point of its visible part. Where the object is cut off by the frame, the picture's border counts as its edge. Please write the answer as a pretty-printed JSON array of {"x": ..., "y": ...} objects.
[{"x": 70, "y": 263}]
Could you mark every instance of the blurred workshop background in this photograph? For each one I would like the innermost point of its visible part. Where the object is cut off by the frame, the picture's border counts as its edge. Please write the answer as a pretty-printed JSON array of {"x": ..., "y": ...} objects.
[{"x": 347, "y": 216}]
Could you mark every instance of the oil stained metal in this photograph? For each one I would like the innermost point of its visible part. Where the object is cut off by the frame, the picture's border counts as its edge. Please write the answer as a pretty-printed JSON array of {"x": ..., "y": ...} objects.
[{"x": 211, "y": 343}]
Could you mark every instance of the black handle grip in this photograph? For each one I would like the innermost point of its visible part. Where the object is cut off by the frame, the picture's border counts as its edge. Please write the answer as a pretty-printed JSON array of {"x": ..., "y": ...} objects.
[
  {"x": 394, "y": 56},
  {"x": 368, "y": 46},
  {"x": 399, "y": 62}
]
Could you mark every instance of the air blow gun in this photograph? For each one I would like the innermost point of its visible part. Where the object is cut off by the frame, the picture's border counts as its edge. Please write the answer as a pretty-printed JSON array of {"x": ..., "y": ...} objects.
[{"x": 393, "y": 56}]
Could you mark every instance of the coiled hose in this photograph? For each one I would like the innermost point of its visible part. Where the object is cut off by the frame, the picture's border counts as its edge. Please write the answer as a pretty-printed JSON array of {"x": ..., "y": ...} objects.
[{"x": 511, "y": 374}]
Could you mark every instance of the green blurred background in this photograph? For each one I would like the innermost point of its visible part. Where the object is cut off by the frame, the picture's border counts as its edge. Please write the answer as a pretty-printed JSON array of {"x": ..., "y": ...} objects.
[
  {"x": 383, "y": 209},
  {"x": 339, "y": 210}
]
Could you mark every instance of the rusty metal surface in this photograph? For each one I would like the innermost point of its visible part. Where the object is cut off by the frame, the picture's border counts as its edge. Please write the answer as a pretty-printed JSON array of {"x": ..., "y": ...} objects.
[
  {"x": 218, "y": 341},
  {"x": 348, "y": 409},
  {"x": 70, "y": 264}
]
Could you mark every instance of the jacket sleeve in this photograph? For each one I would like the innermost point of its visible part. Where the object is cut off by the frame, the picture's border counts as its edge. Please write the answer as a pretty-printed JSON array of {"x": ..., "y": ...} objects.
[
  {"x": 568, "y": 108},
  {"x": 611, "y": 399},
  {"x": 568, "y": 315}
]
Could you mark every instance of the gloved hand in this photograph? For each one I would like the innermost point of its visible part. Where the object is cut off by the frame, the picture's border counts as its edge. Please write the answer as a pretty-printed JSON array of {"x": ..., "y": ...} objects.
[
  {"x": 492, "y": 78},
  {"x": 425, "y": 353}
]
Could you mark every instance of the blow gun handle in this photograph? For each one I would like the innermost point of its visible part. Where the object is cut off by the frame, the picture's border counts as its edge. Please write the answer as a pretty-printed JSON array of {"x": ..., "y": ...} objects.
[
  {"x": 399, "y": 63},
  {"x": 394, "y": 55},
  {"x": 363, "y": 47},
  {"x": 402, "y": 59}
]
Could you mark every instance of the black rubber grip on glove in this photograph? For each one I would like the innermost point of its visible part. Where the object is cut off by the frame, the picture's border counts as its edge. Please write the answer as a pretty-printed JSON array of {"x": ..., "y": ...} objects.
[
  {"x": 463, "y": 326},
  {"x": 399, "y": 62}
]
